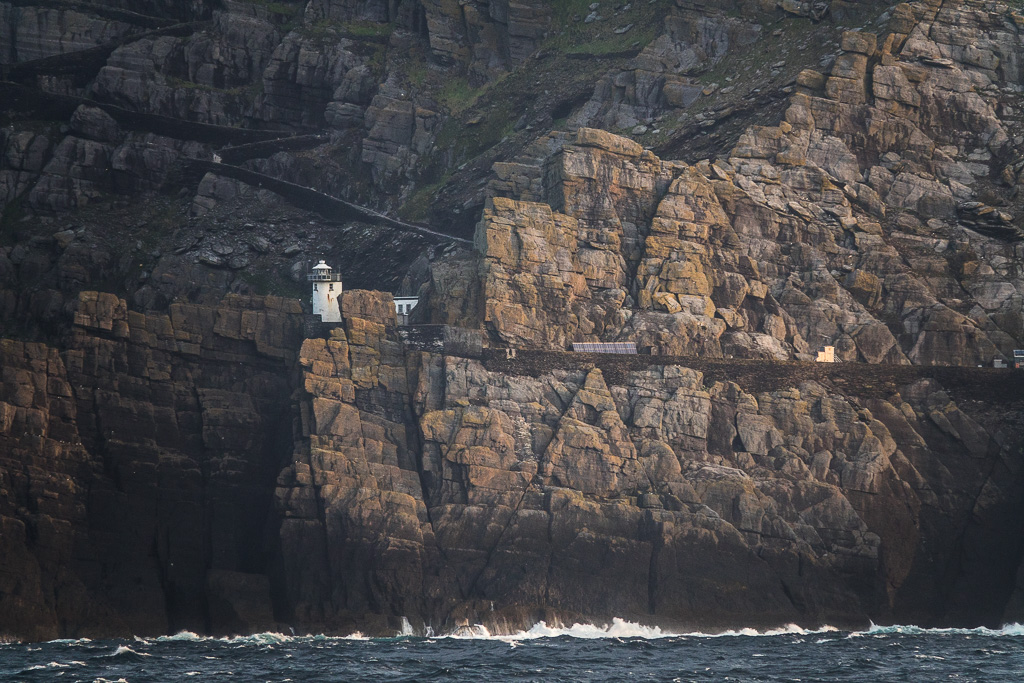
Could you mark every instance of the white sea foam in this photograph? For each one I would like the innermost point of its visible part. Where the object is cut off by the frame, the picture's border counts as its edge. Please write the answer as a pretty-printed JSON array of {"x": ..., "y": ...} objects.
[
  {"x": 125, "y": 650},
  {"x": 51, "y": 665},
  {"x": 266, "y": 638},
  {"x": 787, "y": 630},
  {"x": 620, "y": 628},
  {"x": 181, "y": 636},
  {"x": 1006, "y": 630},
  {"x": 617, "y": 628}
]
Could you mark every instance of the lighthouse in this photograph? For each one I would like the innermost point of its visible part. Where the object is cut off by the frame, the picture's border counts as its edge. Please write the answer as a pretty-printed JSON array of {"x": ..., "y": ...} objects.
[{"x": 326, "y": 292}]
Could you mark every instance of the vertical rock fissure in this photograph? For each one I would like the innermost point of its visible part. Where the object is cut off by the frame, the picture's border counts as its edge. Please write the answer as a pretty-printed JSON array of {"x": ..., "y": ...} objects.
[
  {"x": 321, "y": 509},
  {"x": 535, "y": 480},
  {"x": 633, "y": 265},
  {"x": 205, "y": 532},
  {"x": 657, "y": 543},
  {"x": 416, "y": 442}
]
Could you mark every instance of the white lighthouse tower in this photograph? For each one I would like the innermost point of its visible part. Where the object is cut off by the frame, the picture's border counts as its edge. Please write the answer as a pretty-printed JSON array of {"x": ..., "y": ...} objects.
[{"x": 326, "y": 292}]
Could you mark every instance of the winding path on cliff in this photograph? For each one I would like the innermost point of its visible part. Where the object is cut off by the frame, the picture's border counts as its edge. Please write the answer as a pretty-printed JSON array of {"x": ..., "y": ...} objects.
[
  {"x": 327, "y": 206},
  {"x": 239, "y": 144}
]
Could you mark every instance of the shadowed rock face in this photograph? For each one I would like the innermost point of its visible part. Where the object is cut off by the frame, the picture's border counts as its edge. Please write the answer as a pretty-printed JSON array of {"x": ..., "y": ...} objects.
[
  {"x": 138, "y": 467},
  {"x": 211, "y": 470}
]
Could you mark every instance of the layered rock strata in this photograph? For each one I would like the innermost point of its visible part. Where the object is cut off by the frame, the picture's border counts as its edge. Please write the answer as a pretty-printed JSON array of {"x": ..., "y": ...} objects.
[
  {"x": 527, "y": 488},
  {"x": 792, "y": 241},
  {"x": 203, "y": 465},
  {"x": 211, "y": 470},
  {"x": 138, "y": 467},
  {"x": 868, "y": 219}
]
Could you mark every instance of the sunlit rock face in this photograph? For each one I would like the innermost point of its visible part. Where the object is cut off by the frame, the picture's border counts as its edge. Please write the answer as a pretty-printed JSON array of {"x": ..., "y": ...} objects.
[
  {"x": 836, "y": 225},
  {"x": 446, "y": 488}
]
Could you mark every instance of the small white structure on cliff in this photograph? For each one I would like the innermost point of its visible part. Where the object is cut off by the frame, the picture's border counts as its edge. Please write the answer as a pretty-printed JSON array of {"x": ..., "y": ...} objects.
[
  {"x": 404, "y": 306},
  {"x": 826, "y": 354},
  {"x": 326, "y": 292}
]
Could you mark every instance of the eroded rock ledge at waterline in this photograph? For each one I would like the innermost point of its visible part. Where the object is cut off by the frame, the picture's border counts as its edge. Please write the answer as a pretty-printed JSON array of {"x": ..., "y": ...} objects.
[{"x": 212, "y": 470}]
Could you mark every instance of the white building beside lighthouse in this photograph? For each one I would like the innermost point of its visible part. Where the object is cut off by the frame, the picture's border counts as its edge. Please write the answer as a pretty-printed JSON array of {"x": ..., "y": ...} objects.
[
  {"x": 326, "y": 292},
  {"x": 404, "y": 306}
]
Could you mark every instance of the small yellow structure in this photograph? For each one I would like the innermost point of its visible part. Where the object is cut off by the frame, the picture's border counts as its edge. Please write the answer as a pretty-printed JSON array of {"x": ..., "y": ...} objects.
[{"x": 826, "y": 354}]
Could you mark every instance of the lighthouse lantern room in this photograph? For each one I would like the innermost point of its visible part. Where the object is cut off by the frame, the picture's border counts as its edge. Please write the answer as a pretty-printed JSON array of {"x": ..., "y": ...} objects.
[{"x": 326, "y": 292}]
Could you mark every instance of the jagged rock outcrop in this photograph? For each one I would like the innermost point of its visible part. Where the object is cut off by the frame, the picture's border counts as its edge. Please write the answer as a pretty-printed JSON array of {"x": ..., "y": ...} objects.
[
  {"x": 207, "y": 77},
  {"x": 43, "y": 473},
  {"x": 839, "y": 225},
  {"x": 95, "y": 160},
  {"x": 534, "y": 492},
  {"x": 486, "y": 36},
  {"x": 663, "y": 76}
]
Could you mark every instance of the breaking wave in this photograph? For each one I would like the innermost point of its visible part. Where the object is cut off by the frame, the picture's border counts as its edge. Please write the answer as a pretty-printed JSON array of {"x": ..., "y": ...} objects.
[
  {"x": 544, "y": 651},
  {"x": 618, "y": 628},
  {"x": 1006, "y": 630}
]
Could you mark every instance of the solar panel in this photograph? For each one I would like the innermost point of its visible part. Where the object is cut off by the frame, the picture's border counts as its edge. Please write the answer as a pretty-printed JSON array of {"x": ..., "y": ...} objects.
[{"x": 621, "y": 348}]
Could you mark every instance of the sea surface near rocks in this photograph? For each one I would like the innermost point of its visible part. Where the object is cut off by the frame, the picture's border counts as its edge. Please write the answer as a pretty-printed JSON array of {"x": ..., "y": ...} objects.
[{"x": 620, "y": 651}]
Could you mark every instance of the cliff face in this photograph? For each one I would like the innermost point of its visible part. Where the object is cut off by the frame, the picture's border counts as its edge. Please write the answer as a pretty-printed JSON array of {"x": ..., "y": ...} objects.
[
  {"x": 518, "y": 489},
  {"x": 190, "y": 471},
  {"x": 138, "y": 468},
  {"x": 889, "y": 154},
  {"x": 178, "y": 452},
  {"x": 855, "y": 221}
]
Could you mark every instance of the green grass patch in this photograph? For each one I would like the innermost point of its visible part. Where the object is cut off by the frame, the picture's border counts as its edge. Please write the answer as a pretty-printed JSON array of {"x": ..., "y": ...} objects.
[
  {"x": 318, "y": 31},
  {"x": 570, "y": 34},
  {"x": 281, "y": 9},
  {"x": 563, "y": 11},
  {"x": 632, "y": 40},
  {"x": 377, "y": 62},
  {"x": 416, "y": 73},
  {"x": 467, "y": 141},
  {"x": 417, "y": 207},
  {"x": 366, "y": 29},
  {"x": 457, "y": 95},
  {"x": 326, "y": 30}
]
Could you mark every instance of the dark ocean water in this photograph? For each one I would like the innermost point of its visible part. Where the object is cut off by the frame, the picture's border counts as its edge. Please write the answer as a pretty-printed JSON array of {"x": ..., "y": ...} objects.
[{"x": 620, "y": 652}]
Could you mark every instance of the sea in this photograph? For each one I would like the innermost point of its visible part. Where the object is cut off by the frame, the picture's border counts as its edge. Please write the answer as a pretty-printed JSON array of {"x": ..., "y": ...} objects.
[{"x": 619, "y": 651}]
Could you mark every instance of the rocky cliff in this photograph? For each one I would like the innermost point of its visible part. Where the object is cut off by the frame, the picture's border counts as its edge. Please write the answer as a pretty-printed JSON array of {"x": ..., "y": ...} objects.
[
  {"x": 138, "y": 467},
  {"x": 728, "y": 185},
  {"x": 814, "y": 230},
  {"x": 191, "y": 471}
]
